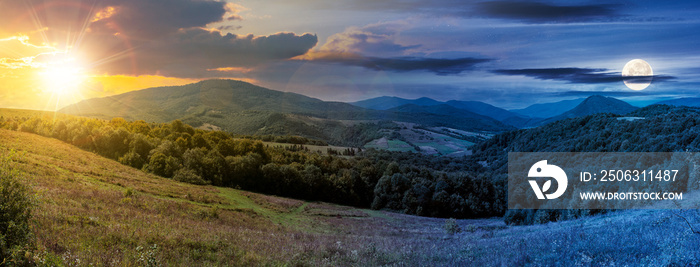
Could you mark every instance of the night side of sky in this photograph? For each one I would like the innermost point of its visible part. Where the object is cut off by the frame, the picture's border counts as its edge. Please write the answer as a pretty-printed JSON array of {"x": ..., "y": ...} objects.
[{"x": 507, "y": 53}]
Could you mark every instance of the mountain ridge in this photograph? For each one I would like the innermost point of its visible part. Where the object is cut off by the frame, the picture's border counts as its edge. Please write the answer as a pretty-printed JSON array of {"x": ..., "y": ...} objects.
[
  {"x": 594, "y": 104},
  {"x": 547, "y": 110},
  {"x": 243, "y": 108},
  {"x": 684, "y": 101}
]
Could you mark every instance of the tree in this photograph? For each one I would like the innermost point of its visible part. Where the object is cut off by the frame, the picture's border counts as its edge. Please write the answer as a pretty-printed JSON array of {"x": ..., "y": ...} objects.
[
  {"x": 163, "y": 165},
  {"x": 132, "y": 159}
]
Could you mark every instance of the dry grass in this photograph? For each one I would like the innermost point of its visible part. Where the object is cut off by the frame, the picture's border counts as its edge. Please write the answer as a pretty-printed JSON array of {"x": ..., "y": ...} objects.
[{"x": 93, "y": 210}]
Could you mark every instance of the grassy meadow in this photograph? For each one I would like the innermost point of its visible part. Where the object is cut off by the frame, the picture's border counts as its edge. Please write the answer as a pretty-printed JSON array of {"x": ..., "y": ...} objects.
[{"x": 94, "y": 211}]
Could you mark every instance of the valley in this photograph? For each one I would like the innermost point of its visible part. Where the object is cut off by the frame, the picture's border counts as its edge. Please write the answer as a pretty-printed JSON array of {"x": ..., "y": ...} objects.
[
  {"x": 95, "y": 211},
  {"x": 245, "y": 109}
]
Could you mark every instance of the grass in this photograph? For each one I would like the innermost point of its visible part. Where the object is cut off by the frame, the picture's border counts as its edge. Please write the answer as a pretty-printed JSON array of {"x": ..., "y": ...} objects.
[
  {"x": 390, "y": 145},
  {"x": 95, "y": 211},
  {"x": 323, "y": 150}
]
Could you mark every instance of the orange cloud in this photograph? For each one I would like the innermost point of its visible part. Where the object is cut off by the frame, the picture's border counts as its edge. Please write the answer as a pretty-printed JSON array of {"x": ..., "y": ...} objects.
[{"x": 16, "y": 47}]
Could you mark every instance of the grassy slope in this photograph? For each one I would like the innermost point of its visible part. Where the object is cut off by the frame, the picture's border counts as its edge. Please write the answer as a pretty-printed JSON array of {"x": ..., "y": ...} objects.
[{"x": 84, "y": 216}]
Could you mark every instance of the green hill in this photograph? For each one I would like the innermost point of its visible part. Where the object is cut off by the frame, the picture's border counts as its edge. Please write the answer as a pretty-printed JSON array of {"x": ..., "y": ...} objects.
[
  {"x": 95, "y": 211},
  {"x": 243, "y": 108}
]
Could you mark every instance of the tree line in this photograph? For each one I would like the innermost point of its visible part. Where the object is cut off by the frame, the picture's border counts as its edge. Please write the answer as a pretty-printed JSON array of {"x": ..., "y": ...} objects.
[
  {"x": 655, "y": 128},
  {"x": 401, "y": 181}
]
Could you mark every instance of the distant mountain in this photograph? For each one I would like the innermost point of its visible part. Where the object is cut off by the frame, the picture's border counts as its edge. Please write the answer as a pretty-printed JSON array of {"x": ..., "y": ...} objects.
[
  {"x": 688, "y": 101},
  {"x": 481, "y": 108},
  {"x": 162, "y": 104},
  {"x": 388, "y": 102},
  {"x": 593, "y": 105},
  {"x": 446, "y": 115},
  {"x": 244, "y": 108},
  {"x": 548, "y": 110}
]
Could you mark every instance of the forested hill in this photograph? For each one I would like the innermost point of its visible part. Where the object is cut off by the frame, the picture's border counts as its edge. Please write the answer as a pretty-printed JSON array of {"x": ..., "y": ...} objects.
[
  {"x": 242, "y": 108},
  {"x": 164, "y": 104},
  {"x": 656, "y": 128},
  {"x": 593, "y": 105},
  {"x": 408, "y": 182}
]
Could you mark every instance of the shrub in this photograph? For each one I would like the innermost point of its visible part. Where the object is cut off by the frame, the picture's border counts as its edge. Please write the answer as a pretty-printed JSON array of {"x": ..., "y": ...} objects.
[
  {"x": 132, "y": 159},
  {"x": 15, "y": 211},
  {"x": 186, "y": 175},
  {"x": 451, "y": 227},
  {"x": 517, "y": 217}
]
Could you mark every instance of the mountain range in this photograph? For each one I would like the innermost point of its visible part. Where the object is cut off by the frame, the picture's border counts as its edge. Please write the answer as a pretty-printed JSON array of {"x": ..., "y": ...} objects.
[
  {"x": 244, "y": 108},
  {"x": 687, "y": 101},
  {"x": 593, "y": 105},
  {"x": 481, "y": 108}
]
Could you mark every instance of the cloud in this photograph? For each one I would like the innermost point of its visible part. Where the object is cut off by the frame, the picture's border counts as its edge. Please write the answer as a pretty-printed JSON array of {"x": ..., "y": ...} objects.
[
  {"x": 191, "y": 53},
  {"x": 17, "y": 47},
  {"x": 149, "y": 18},
  {"x": 625, "y": 93},
  {"x": 147, "y": 37},
  {"x": 525, "y": 11},
  {"x": 374, "y": 39},
  {"x": 581, "y": 75},
  {"x": 537, "y": 12},
  {"x": 378, "y": 47},
  {"x": 439, "y": 66}
]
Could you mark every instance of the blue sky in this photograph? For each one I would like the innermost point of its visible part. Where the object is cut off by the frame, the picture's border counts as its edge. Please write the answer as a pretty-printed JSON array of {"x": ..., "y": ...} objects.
[
  {"x": 503, "y": 45},
  {"x": 508, "y": 53}
]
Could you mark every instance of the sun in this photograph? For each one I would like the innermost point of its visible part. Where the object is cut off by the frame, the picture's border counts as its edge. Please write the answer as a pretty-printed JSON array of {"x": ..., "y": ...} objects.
[{"x": 63, "y": 77}]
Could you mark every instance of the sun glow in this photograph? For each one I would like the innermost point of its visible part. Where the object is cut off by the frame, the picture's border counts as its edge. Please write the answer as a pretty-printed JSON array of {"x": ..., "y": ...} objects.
[{"x": 63, "y": 78}]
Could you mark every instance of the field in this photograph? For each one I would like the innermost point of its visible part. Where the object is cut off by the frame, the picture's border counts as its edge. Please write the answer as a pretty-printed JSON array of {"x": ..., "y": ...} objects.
[
  {"x": 390, "y": 144},
  {"x": 432, "y": 141},
  {"x": 92, "y": 210},
  {"x": 95, "y": 211},
  {"x": 312, "y": 148}
]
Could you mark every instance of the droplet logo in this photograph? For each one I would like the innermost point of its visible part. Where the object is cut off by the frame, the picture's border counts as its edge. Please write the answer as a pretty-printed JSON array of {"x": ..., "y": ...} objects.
[{"x": 542, "y": 169}]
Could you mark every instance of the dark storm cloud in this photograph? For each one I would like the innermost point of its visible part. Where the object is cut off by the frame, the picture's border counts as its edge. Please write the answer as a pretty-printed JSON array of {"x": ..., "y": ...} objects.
[
  {"x": 581, "y": 75},
  {"x": 526, "y": 11},
  {"x": 404, "y": 64},
  {"x": 193, "y": 53},
  {"x": 537, "y": 12},
  {"x": 139, "y": 18},
  {"x": 136, "y": 18}
]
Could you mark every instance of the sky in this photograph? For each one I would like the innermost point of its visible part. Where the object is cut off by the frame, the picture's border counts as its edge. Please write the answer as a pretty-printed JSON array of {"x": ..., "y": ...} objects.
[{"x": 508, "y": 53}]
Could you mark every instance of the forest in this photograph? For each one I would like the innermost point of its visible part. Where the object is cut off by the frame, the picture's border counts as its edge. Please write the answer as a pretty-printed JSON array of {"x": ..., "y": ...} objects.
[
  {"x": 406, "y": 182},
  {"x": 655, "y": 128},
  {"x": 464, "y": 187}
]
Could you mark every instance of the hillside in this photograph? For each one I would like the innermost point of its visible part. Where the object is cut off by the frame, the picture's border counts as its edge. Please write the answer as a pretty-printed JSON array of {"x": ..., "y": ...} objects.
[
  {"x": 162, "y": 104},
  {"x": 446, "y": 115},
  {"x": 388, "y": 102},
  {"x": 594, "y": 105},
  {"x": 546, "y": 110},
  {"x": 656, "y": 128},
  {"x": 687, "y": 101},
  {"x": 480, "y": 108},
  {"x": 95, "y": 211},
  {"x": 243, "y": 108}
]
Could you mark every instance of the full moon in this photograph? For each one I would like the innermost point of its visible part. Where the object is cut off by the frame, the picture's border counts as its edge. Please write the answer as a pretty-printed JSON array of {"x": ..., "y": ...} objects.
[{"x": 640, "y": 68}]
